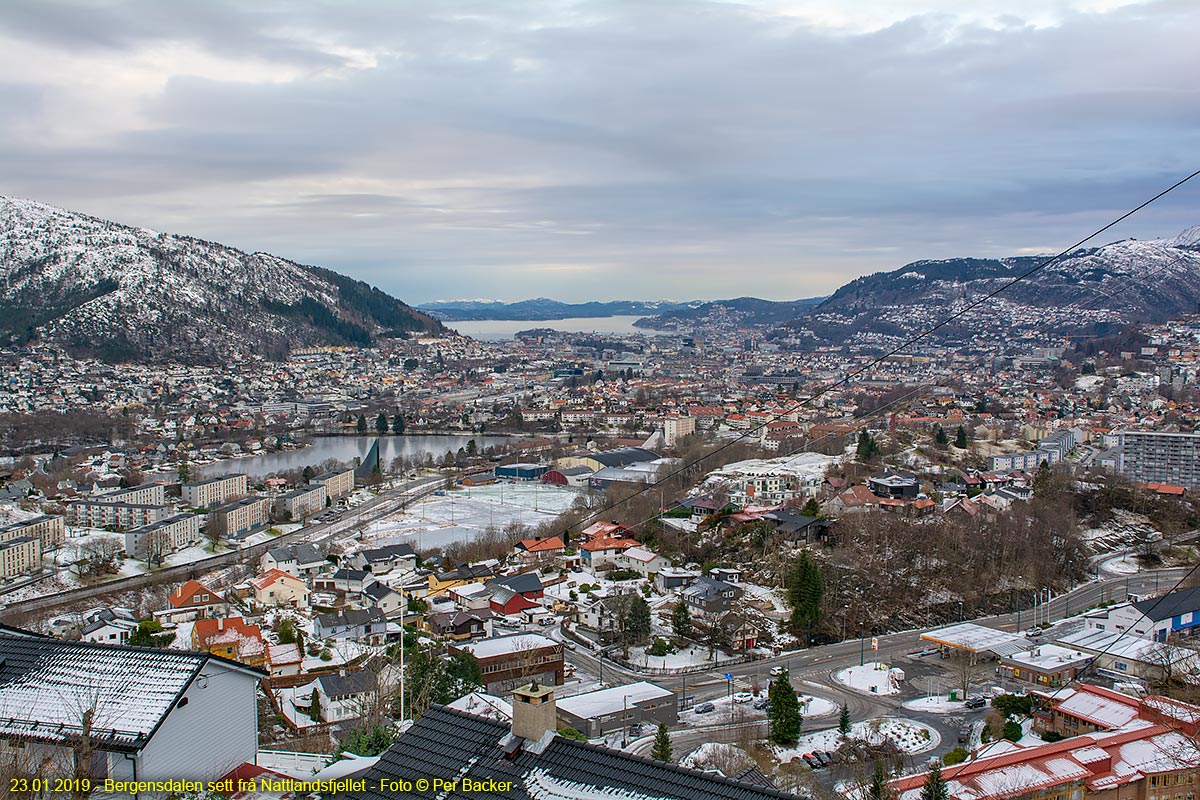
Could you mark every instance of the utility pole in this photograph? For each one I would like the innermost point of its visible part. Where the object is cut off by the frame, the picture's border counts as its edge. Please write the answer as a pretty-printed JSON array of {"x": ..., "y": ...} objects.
[{"x": 862, "y": 646}]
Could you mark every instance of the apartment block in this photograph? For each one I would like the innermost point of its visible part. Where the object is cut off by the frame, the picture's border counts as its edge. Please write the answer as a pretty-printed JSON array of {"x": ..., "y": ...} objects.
[
  {"x": 163, "y": 537},
  {"x": 337, "y": 484},
  {"x": 148, "y": 494},
  {"x": 118, "y": 516},
  {"x": 20, "y": 555},
  {"x": 49, "y": 530},
  {"x": 205, "y": 494},
  {"x": 240, "y": 516},
  {"x": 300, "y": 503},
  {"x": 1160, "y": 457}
]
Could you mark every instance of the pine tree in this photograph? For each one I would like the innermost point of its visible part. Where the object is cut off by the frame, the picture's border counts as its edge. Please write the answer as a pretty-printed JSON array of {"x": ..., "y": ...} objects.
[
  {"x": 398, "y": 424},
  {"x": 361, "y": 425},
  {"x": 939, "y": 436},
  {"x": 844, "y": 721},
  {"x": 185, "y": 472},
  {"x": 783, "y": 711},
  {"x": 935, "y": 785},
  {"x": 662, "y": 744},
  {"x": 381, "y": 423},
  {"x": 681, "y": 621},
  {"x": 812, "y": 508},
  {"x": 867, "y": 447},
  {"x": 637, "y": 627},
  {"x": 960, "y": 439},
  {"x": 314, "y": 711},
  {"x": 805, "y": 590},
  {"x": 878, "y": 788}
]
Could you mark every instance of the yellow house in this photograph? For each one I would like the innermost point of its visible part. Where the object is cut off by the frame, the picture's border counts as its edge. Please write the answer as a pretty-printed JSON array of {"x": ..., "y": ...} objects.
[
  {"x": 277, "y": 588},
  {"x": 465, "y": 574}
]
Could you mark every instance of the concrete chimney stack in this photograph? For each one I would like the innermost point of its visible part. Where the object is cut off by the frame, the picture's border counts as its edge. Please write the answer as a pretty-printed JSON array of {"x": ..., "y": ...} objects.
[{"x": 534, "y": 711}]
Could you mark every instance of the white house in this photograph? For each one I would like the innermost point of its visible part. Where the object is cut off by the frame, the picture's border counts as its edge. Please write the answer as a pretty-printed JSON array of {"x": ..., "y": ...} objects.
[{"x": 642, "y": 561}]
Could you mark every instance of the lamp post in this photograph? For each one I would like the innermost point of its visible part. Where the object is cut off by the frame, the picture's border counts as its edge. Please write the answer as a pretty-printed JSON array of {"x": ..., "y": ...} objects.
[
  {"x": 960, "y": 610},
  {"x": 625, "y": 722},
  {"x": 862, "y": 646},
  {"x": 845, "y": 613}
]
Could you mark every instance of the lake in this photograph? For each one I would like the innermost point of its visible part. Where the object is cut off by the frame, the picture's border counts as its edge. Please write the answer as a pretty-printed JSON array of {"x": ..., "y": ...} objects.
[
  {"x": 343, "y": 448},
  {"x": 493, "y": 330}
]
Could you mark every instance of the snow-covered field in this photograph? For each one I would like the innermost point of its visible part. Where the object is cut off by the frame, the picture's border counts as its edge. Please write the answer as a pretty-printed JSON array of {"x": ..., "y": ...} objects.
[
  {"x": 909, "y": 736},
  {"x": 872, "y": 677},
  {"x": 462, "y": 515}
]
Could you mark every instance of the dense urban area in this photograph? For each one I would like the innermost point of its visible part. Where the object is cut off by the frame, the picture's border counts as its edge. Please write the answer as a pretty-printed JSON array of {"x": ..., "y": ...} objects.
[{"x": 805, "y": 572}]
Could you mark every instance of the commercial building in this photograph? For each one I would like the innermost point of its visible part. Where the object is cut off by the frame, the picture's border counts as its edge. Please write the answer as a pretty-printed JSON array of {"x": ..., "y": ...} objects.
[
  {"x": 1158, "y": 618},
  {"x": 604, "y": 710},
  {"x": 510, "y": 661},
  {"x": 49, "y": 530},
  {"x": 212, "y": 492},
  {"x": 165, "y": 536}
]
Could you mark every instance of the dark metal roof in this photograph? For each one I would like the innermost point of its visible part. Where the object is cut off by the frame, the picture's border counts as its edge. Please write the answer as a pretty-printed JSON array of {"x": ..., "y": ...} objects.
[
  {"x": 1170, "y": 605},
  {"x": 525, "y": 582},
  {"x": 453, "y": 745},
  {"x": 623, "y": 457}
]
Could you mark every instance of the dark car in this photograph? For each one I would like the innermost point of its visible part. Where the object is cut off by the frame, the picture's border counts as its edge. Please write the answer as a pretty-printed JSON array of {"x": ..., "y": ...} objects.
[
  {"x": 821, "y": 757},
  {"x": 975, "y": 702},
  {"x": 705, "y": 708},
  {"x": 812, "y": 761},
  {"x": 964, "y": 734},
  {"x": 761, "y": 703}
]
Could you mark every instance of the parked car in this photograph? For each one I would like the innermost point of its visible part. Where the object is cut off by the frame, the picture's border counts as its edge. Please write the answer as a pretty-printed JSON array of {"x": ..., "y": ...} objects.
[
  {"x": 635, "y": 729},
  {"x": 975, "y": 702},
  {"x": 811, "y": 760},
  {"x": 821, "y": 758},
  {"x": 705, "y": 708},
  {"x": 1033, "y": 633},
  {"x": 762, "y": 704},
  {"x": 570, "y": 645},
  {"x": 778, "y": 670},
  {"x": 964, "y": 734},
  {"x": 743, "y": 697}
]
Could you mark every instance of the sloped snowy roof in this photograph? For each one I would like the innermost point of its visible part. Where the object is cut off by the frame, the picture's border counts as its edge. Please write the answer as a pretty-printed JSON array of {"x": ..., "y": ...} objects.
[{"x": 46, "y": 685}]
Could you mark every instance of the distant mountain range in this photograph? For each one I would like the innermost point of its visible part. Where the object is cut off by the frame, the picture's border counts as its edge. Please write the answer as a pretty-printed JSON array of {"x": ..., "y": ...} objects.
[
  {"x": 107, "y": 290},
  {"x": 543, "y": 308}
]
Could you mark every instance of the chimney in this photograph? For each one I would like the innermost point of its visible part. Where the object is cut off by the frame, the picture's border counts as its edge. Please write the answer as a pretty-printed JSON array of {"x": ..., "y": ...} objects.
[{"x": 534, "y": 711}]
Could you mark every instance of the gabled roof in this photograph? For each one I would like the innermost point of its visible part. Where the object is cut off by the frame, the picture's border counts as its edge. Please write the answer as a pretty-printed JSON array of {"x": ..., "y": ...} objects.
[
  {"x": 271, "y": 576},
  {"x": 1170, "y": 605},
  {"x": 525, "y": 582},
  {"x": 452, "y": 745},
  {"x": 541, "y": 545},
  {"x": 46, "y": 684}
]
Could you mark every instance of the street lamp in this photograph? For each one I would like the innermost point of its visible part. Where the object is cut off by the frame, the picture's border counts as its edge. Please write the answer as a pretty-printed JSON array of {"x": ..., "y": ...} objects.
[
  {"x": 625, "y": 722},
  {"x": 845, "y": 613},
  {"x": 862, "y": 646}
]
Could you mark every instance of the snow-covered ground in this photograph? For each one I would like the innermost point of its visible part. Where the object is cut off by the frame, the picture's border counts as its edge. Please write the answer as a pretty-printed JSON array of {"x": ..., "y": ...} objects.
[
  {"x": 937, "y": 704},
  {"x": 726, "y": 711},
  {"x": 462, "y": 515},
  {"x": 1121, "y": 565},
  {"x": 694, "y": 656},
  {"x": 909, "y": 736},
  {"x": 872, "y": 677}
]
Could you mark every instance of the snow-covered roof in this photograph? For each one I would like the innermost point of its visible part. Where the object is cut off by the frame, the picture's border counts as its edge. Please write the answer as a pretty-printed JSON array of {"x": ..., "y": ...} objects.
[
  {"x": 612, "y": 700},
  {"x": 969, "y": 636},
  {"x": 1047, "y": 658},
  {"x": 46, "y": 686},
  {"x": 503, "y": 645}
]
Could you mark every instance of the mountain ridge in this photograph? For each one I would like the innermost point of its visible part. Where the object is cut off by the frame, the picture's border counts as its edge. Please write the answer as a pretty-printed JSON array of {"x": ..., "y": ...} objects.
[{"x": 119, "y": 292}]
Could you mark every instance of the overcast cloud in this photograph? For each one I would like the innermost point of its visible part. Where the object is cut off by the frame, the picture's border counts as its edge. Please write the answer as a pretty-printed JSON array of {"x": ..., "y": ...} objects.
[{"x": 607, "y": 148}]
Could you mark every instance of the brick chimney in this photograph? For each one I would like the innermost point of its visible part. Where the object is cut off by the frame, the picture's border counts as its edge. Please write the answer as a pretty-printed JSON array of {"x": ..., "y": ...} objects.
[{"x": 534, "y": 711}]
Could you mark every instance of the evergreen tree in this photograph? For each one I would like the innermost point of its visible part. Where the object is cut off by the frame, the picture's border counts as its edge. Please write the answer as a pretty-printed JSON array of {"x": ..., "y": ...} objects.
[
  {"x": 935, "y": 785},
  {"x": 314, "y": 711},
  {"x": 681, "y": 621},
  {"x": 867, "y": 448},
  {"x": 398, "y": 424},
  {"x": 662, "y": 744},
  {"x": 812, "y": 508},
  {"x": 939, "y": 436},
  {"x": 878, "y": 789},
  {"x": 287, "y": 632},
  {"x": 185, "y": 472},
  {"x": 805, "y": 589},
  {"x": 381, "y": 423},
  {"x": 637, "y": 628},
  {"x": 309, "y": 473},
  {"x": 844, "y": 721},
  {"x": 783, "y": 711},
  {"x": 361, "y": 425},
  {"x": 960, "y": 439}
]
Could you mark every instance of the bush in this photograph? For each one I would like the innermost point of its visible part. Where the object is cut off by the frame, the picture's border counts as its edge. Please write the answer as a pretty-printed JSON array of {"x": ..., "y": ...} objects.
[
  {"x": 1013, "y": 705},
  {"x": 955, "y": 756},
  {"x": 661, "y": 647},
  {"x": 623, "y": 575},
  {"x": 568, "y": 732},
  {"x": 327, "y": 654},
  {"x": 1012, "y": 731},
  {"x": 1052, "y": 736}
]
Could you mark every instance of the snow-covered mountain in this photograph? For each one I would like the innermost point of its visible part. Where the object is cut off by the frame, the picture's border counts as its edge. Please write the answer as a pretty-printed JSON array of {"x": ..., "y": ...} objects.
[
  {"x": 109, "y": 290},
  {"x": 1087, "y": 291}
]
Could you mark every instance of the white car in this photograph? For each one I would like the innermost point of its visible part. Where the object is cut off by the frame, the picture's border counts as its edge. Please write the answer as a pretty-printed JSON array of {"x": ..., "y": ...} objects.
[
  {"x": 743, "y": 697},
  {"x": 779, "y": 670}
]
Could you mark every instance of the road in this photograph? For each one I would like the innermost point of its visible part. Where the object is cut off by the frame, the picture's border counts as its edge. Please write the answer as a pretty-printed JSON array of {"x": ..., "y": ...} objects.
[
  {"x": 812, "y": 669},
  {"x": 384, "y": 504}
]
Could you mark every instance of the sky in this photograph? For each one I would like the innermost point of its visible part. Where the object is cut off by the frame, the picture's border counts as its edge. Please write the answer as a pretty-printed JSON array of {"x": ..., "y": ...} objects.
[{"x": 607, "y": 149}]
